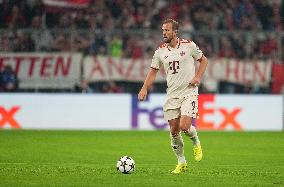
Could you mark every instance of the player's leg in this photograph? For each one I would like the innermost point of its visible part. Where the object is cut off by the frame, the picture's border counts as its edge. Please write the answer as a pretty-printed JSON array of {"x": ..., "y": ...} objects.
[
  {"x": 176, "y": 139},
  {"x": 188, "y": 111},
  {"x": 188, "y": 129}
]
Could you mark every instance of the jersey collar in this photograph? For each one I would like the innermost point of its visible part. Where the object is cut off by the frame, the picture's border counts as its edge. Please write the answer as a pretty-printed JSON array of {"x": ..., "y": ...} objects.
[{"x": 176, "y": 47}]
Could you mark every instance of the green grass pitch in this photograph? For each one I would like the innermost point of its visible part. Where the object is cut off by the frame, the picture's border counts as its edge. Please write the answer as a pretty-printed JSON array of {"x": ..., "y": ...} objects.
[{"x": 88, "y": 158}]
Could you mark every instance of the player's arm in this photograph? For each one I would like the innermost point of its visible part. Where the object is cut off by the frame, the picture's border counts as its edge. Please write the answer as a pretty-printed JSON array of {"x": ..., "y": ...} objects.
[
  {"x": 151, "y": 76},
  {"x": 200, "y": 71},
  {"x": 198, "y": 55}
]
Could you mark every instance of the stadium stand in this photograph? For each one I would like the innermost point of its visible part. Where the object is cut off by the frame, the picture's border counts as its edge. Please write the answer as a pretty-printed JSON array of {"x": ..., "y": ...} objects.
[{"x": 239, "y": 29}]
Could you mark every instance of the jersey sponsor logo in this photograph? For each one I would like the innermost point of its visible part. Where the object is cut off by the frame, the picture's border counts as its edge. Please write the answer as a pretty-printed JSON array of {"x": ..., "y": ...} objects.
[
  {"x": 7, "y": 117},
  {"x": 174, "y": 66}
]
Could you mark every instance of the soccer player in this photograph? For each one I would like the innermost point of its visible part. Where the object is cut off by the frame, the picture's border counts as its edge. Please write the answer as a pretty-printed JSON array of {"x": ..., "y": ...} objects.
[{"x": 178, "y": 57}]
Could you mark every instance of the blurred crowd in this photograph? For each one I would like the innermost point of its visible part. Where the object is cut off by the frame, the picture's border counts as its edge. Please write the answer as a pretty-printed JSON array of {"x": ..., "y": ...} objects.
[
  {"x": 131, "y": 28},
  {"x": 105, "y": 26}
]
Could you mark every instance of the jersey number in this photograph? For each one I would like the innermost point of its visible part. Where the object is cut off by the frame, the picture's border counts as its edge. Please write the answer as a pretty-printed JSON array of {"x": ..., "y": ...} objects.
[{"x": 174, "y": 66}]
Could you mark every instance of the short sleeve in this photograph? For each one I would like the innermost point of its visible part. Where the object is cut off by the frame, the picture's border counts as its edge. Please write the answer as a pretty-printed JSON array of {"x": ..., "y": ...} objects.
[
  {"x": 196, "y": 52},
  {"x": 156, "y": 61}
]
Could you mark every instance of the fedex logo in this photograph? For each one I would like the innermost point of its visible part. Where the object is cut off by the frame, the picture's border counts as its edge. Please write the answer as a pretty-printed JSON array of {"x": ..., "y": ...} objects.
[
  {"x": 229, "y": 116},
  {"x": 7, "y": 117},
  {"x": 154, "y": 114}
]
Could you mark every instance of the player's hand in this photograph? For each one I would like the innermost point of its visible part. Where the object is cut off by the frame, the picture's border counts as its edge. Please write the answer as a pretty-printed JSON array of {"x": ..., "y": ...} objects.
[
  {"x": 194, "y": 82},
  {"x": 142, "y": 94}
]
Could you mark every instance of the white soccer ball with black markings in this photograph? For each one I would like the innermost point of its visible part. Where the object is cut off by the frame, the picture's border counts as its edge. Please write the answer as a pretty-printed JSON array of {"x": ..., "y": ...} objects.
[{"x": 125, "y": 165}]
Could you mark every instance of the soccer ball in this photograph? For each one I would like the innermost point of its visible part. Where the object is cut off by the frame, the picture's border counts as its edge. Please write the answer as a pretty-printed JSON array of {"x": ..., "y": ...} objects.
[{"x": 125, "y": 165}]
